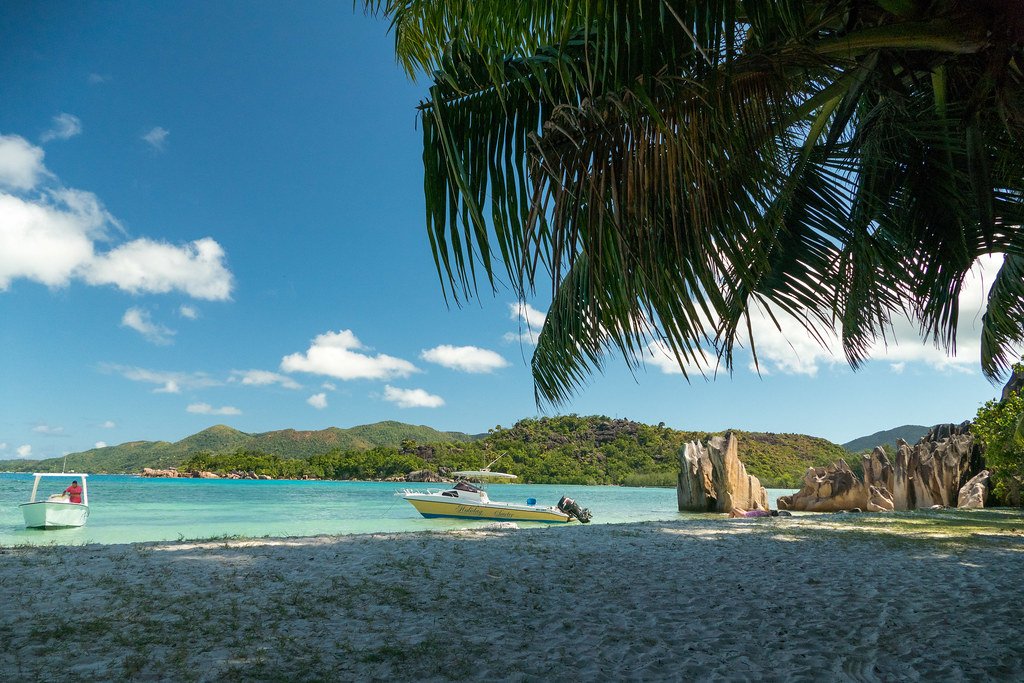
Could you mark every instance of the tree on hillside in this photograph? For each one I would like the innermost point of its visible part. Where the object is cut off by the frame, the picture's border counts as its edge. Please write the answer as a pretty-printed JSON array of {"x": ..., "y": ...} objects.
[{"x": 673, "y": 166}]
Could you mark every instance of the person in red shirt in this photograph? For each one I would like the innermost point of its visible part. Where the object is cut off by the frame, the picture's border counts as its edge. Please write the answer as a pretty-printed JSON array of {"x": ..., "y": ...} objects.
[{"x": 75, "y": 491}]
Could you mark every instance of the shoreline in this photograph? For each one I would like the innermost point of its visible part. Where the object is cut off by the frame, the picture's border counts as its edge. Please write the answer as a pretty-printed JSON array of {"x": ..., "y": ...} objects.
[{"x": 849, "y": 596}]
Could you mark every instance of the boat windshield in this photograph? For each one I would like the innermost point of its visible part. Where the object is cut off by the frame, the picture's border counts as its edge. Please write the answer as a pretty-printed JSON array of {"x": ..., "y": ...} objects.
[{"x": 466, "y": 486}]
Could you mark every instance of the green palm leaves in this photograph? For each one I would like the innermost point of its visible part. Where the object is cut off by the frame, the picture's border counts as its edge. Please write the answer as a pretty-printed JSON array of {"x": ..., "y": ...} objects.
[{"x": 667, "y": 166}]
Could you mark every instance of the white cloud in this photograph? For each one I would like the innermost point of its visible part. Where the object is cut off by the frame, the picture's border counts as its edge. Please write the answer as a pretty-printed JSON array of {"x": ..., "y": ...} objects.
[
  {"x": 65, "y": 126},
  {"x": 898, "y": 368},
  {"x": 659, "y": 355},
  {"x": 143, "y": 265},
  {"x": 169, "y": 382},
  {"x": 21, "y": 163},
  {"x": 100, "y": 444},
  {"x": 24, "y": 451},
  {"x": 465, "y": 358},
  {"x": 157, "y": 138},
  {"x": 96, "y": 79},
  {"x": 47, "y": 429},
  {"x": 335, "y": 354},
  {"x": 412, "y": 398},
  {"x": 46, "y": 240},
  {"x": 109, "y": 424},
  {"x": 261, "y": 378},
  {"x": 207, "y": 409},
  {"x": 139, "y": 320},
  {"x": 189, "y": 312},
  {"x": 318, "y": 401},
  {"x": 788, "y": 350},
  {"x": 49, "y": 235},
  {"x": 329, "y": 386},
  {"x": 530, "y": 320},
  {"x": 3, "y": 446}
]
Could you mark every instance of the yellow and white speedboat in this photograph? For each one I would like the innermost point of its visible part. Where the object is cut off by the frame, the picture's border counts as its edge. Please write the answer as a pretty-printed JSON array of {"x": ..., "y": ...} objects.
[{"x": 470, "y": 501}]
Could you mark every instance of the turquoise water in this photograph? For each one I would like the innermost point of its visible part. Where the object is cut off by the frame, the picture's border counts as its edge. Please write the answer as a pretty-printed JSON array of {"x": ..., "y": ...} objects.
[{"x": 126, "y": 509}]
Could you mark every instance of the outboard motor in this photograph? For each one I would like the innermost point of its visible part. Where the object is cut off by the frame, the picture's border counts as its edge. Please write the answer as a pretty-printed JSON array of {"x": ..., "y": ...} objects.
[{"x": 573, "y": 509}]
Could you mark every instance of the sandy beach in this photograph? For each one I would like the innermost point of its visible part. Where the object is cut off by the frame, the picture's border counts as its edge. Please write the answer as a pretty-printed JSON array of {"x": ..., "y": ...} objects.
[{"x": 911, "y": 596}]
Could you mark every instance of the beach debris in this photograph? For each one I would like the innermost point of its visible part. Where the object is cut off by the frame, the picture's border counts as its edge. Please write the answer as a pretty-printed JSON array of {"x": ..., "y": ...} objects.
[
  {"x": 974, "y": 493},
  {"x": 497, "y": 526},
  {"x": 712, "y": 478}
]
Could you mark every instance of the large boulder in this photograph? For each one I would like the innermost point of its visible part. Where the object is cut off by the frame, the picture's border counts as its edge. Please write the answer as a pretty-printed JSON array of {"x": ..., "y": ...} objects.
[
  {"x": 929, "y": 473},
  {"x": 974, "y": 492},
  {"x": 695, "y": 489},
  {"x": 713, "y": 479},
  {"x": 423, "y": 476},
  {"x": 151, "y": 472},
  {"x": 836, "y": 487},
  {"x": 932, "y": 471}
]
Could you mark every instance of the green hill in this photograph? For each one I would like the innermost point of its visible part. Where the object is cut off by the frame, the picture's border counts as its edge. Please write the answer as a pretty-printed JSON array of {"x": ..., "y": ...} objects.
[
  {"x": 566, "y": 449},
  {"x": 286, "y": 443},
  {"x": 909, "y": 433}
]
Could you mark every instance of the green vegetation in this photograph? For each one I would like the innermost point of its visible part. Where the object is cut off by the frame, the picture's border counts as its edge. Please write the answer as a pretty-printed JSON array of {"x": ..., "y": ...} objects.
[
  {"x": 998, "y": 425},
  {"x": 781, "y": 460},
  {"x": 568, "y": 449},
  {"x": 671, "y": 165},
  {"x": 909, "y": 433},
  {"x": 286, "y": 443}
]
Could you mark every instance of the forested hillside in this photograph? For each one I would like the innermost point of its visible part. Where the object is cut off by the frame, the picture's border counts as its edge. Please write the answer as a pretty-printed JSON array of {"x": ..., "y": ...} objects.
[
  {"x": 567, "y": 449},
  {"x": 286, "y": 443}
]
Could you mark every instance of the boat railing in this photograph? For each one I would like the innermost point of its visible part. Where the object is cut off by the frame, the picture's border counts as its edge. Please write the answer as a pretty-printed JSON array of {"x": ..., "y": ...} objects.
[{"x": 405, "y": 492}]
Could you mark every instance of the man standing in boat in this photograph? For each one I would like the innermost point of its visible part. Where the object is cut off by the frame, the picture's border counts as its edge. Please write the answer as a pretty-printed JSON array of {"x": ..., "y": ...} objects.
[{"x": 75, "y": 491}]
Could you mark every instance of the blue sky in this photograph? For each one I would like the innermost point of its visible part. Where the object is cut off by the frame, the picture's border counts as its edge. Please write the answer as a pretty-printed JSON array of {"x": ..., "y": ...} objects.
[{"x": 212, "y": 213}]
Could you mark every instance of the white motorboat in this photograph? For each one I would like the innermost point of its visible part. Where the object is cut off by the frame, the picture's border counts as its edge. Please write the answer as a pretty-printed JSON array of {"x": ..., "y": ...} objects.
[
  {"x": 469, "y": 501},
  {"x": 57, "y": 511}
]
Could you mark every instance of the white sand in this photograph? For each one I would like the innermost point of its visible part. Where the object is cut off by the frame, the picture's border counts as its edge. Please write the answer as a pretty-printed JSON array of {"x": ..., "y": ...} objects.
[{"x": 831, "y": 598}]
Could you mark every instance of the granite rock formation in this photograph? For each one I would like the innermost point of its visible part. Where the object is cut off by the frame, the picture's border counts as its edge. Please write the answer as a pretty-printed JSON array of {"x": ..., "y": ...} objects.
[
  {"x": 712, "y": 478},
  {"x": 974, "y": 493},
  {"x": 932, "y": 471},
  {"x": 927, "y": 474},
  {"x": 836, "y": 487}
]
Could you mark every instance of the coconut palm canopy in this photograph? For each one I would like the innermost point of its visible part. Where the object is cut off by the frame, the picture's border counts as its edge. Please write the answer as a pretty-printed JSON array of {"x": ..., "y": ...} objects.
[{"x": 673, "y": 166}]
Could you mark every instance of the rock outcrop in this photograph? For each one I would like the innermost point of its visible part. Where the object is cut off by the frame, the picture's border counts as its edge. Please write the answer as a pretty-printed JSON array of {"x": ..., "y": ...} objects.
[
  {"x": 836, "y": 487},
  {"x": 974, "y": 493},
  {"x": 932, "y": 471},
  {"x": 712, "y": 478},
  {"x": 423, "y": 476},
  {"x": 151, "y": 472},
  {"x": 929, "y": 473}
]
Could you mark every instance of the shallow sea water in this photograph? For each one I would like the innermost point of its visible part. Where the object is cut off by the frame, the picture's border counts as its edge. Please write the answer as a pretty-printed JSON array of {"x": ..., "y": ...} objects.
[{"x": 128, "y": 509}]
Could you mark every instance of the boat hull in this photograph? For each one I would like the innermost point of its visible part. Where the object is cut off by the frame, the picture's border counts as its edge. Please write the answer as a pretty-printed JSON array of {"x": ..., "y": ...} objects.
[
  {"x": 53, "y": 515},
  {"x": 430, "y": 506}
]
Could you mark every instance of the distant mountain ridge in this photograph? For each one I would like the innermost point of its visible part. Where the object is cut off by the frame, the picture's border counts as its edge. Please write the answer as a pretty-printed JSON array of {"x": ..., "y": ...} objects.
[
  {"x": 909, "y": 433},
  {"x": 132, "y": 456}
]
